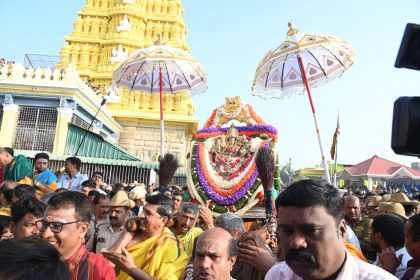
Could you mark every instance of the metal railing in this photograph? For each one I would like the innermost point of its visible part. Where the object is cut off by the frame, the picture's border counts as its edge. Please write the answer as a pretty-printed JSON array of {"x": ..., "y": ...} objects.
[{"x": 35, "y": 129}]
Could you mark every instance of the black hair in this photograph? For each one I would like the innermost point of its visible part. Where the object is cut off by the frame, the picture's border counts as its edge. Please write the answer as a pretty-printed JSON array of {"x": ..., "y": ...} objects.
[
  {"x": 25, "y": 192},
  {"x": 99, "y": 198},
  {"x": 409, "y": 210},
  {"x": 166, "y": 205},
  {"x": 98, "y": 173},
  {"x": 94, "y": 193},
  {"x": 4, "y": 223},
  {"x": 75, "y": 161},
  {"x": 8, "y": 194},
  {"x": 307, "y": 193},
  {"x": 391, "y": 228},
  {"x": 21, "y": 208},
  {"x": 31, "y": 259},
  {"x": 415, "y": 226},
  {"x": 42, "y": 155},
  {"x": 233, "y": 248},
  {"x": 78, "y": 201},
  {"x": 10, "y": 151},
  {"x": 89, "y": 184},
  {"x": 177, "y": 193}
]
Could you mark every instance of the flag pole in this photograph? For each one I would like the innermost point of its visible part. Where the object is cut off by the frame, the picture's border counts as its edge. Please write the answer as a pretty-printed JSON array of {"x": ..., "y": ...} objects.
[{"x": 336, "y": 151}]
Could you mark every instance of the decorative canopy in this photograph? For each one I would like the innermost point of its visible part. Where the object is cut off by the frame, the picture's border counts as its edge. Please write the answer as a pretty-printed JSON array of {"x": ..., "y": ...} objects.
[
  {"x": 180, "y": 71},
  {"x": 324, "y": 58}
]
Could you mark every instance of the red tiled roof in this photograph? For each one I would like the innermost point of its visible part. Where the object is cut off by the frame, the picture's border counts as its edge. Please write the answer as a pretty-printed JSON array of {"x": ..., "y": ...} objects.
[{"x": 379, "y": 166}]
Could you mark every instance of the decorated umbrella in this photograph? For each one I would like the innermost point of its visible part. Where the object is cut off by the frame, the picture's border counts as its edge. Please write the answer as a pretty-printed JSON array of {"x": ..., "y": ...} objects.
[
  {"x": 299, "y": 63},
  {"x": 161, "y": 69}
]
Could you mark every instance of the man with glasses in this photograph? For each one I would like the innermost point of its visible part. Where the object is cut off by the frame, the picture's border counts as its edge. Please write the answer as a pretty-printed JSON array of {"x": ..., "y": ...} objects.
[
  {"x": 64, "y": 225},
  {"x": 45, "y": 180},
  {"x": 24, "y": 216}
]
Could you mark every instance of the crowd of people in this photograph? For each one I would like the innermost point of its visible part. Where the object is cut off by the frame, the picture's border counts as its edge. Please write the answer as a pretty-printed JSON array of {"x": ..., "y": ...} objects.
[{"x": 71, "y": 226}]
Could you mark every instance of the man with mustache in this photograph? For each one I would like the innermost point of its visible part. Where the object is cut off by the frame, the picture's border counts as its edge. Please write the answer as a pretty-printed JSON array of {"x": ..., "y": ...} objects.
[
  {"x": 106, "y": 234},
  {"x": 184, "y": 227},
  {"x": 312, "y": 233},
  {"x": 24, "y": 216},
  {"x": 154, "y": 252},
  {"x": 215, "y": 254}
]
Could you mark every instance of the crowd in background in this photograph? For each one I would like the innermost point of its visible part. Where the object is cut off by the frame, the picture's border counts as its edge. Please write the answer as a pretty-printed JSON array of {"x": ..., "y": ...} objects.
[{"x": 67, "y": 225}]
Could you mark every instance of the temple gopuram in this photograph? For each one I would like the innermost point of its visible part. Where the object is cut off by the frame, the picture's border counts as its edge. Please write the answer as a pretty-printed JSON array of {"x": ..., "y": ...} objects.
[{"x": 50, "y": 108}]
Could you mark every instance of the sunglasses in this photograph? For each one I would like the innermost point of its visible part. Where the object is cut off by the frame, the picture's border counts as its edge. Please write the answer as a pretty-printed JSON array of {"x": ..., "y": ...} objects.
[{"x": 55, "y": 227}]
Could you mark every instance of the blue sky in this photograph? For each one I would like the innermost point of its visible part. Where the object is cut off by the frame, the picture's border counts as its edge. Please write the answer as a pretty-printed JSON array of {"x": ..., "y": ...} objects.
[{"x": 231, "y": 37}]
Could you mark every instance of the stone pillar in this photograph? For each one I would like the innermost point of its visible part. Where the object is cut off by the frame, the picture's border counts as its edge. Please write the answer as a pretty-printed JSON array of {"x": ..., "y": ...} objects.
[
  {"x": 62, "y": 128},
  {"x": 8, "y": 125}
]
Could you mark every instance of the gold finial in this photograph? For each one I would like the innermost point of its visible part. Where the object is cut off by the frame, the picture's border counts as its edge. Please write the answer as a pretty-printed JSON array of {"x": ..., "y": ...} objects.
[
  {"x": 159, "y": 41},
  {"x": 292, "y": 31}
]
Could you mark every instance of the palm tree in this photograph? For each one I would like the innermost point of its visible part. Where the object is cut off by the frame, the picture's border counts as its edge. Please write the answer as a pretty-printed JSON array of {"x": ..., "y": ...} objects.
[{"x": 286, "y": 174}]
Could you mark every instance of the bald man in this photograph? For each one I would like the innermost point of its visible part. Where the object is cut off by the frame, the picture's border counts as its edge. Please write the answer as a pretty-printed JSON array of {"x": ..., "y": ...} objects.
[
  {"x": 359, "y": 223},
  {"x": 215, "y": 255}
]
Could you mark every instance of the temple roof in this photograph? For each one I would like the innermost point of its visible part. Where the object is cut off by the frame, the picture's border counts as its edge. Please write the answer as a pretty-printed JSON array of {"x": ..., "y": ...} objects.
[{"x": 377, "y": 166}]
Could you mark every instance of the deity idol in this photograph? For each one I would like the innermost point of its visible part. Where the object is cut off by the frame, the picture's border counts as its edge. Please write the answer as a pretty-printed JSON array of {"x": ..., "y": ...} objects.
[{"x": 229, "y": 152}]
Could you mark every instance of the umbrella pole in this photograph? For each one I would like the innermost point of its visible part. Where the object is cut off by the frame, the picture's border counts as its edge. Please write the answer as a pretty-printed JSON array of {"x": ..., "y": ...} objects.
[
  {"x": 318, "y": 131},
  {"x": 162, "y": 129}
]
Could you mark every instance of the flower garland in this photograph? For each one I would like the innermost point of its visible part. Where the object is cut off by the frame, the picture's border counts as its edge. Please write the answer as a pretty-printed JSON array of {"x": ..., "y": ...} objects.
[
  {"x": 214, "y": 180},
  {"x": 250, "y": 130},
  {"x": 214, "y": 192}
]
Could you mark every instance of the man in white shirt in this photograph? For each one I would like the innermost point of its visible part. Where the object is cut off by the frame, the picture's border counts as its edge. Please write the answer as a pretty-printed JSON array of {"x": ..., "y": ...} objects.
[
  {"x": 312, "y": 234},
  {"x": 72, "y": 179},
  {"x": 387, "y": 232}
]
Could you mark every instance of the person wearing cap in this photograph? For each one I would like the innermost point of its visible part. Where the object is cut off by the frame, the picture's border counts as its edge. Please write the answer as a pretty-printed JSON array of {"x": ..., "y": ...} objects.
[
  {"x": 138, "y": 195},
  {"x": 373, "y": 204},
  {"x": 410, "y": 206},
  {"x": 393, "y": 208},
  {"x": 106, "y": 234}
]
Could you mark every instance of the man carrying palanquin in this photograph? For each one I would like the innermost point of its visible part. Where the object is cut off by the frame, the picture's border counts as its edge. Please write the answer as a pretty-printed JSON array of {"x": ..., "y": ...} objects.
[
  {"x": 154, "y": 252},
  {"x": 184, "y": 227}
]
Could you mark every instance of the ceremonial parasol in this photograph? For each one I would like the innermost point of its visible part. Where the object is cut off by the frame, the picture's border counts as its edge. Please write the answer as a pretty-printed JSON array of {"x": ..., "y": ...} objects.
[
  {"x": 300, "y": 62},
  {"x": 161, "y": 69}
]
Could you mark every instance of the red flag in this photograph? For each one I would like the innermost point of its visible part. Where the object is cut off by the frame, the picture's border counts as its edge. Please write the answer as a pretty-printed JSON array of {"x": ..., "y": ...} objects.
[{"x": 334, "y": 142}]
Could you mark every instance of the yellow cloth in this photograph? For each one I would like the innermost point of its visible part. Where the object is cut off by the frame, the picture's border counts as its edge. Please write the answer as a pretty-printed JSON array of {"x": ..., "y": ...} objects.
[
  {"x": 189, "y": 238},
  {"x": 26, "y": 180},
  {"x": 5, "y": 211},
  {"x": 161, "y": 256}
]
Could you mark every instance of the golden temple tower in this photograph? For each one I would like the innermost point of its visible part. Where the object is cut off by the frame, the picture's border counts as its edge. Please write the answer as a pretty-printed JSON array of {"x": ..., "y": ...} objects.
[
  {"x": 105, "y": 33},
  {"x": 108, "y": 31}
]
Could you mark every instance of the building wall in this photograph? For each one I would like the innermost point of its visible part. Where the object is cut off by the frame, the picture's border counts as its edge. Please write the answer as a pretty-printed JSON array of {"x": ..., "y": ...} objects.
[{"x": 142, "y": 139}]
